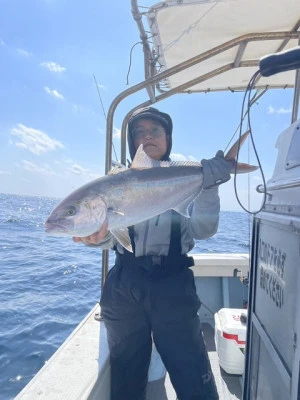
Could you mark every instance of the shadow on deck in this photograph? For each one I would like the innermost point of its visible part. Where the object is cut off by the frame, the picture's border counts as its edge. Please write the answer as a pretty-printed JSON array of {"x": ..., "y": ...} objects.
[{"x": 229, "y": 386}]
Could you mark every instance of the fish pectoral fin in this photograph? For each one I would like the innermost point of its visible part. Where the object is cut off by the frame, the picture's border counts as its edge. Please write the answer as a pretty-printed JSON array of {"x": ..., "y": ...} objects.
[{"x": 122, "y": 236}]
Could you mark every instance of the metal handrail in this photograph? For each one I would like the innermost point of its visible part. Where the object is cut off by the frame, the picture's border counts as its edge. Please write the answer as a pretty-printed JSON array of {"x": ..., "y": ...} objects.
[
  {"x": 169, "y": 72},
  {"x": 149, "y": 63},
  {"x": 286, "y": 185},
  {"x": 182, "y": 66},
  {"x": 296, "y": 94}
]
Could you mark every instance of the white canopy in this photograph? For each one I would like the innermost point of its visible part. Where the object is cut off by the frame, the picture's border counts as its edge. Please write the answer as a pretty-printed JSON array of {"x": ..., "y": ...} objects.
[{"x": 183, "y": 29}]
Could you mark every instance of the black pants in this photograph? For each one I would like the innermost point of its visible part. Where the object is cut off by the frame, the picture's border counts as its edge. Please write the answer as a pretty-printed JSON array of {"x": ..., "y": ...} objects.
[{"x": 137, "y": 305}]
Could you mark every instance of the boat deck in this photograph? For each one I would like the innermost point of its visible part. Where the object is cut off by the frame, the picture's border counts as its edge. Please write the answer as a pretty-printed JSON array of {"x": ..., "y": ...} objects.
[
  {"x": 229, "y": 386},
  {"x": 80, "y": 369}
]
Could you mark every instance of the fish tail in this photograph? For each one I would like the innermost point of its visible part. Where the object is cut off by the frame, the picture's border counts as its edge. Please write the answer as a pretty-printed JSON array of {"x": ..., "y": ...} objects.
[{"x": 241, "y": 168}]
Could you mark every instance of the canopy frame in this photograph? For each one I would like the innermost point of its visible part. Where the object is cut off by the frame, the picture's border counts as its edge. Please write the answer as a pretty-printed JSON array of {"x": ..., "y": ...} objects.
[{"x": 153, "y": 80}]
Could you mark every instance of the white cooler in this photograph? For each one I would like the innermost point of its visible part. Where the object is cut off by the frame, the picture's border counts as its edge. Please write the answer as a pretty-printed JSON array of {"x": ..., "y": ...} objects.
[{"x": 230, "y": 339}]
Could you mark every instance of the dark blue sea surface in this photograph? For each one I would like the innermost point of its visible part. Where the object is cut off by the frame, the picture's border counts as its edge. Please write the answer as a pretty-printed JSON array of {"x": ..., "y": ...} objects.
[{"x": 48, "y": 284}]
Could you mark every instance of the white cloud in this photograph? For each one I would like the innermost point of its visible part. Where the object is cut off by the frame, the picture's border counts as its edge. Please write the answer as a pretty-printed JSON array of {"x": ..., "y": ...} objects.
[
  {"x": 256, "y": 177},
  {"x": 281, "y": 110},
  {"x": 77, "y": 169},
  {"x": 2, "y": 43},
  {"x": 76, "y": 108},
  {"x": 181, "y": 157},
  {"x": 101, "y": 130},
  {"x": 34, "y": 140},
  {"x": 64, "y": 162},
  {"x": 5, "y": 172},
  {"x": 44, "y": 170},
  {"x": 101, "y": 87},
  {"x": 53, "y": 67},
  {"x": 23, "y": 52},
  {"x": 54, "y": 93},
  {"x": 117, "y": 133},
  {"x": 68, "y": 166}
]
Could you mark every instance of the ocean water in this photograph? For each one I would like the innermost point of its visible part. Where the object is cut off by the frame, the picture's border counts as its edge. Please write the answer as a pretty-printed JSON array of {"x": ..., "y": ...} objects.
[{"x": 48, "y": 284}]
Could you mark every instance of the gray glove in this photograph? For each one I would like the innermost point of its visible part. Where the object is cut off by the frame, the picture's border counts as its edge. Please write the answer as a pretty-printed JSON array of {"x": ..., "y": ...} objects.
[{"x": 216, "y": 170}]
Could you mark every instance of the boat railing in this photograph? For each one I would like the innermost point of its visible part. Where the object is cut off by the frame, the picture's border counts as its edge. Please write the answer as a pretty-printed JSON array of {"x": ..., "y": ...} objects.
[
  {"x": 293, "y": 183},
  {"x": 182, "y": 66}
]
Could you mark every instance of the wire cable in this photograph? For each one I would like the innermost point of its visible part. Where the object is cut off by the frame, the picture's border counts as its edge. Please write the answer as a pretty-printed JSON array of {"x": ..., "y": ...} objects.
[
  {"x": 239, "y": 126},
  {"x": 130, "y": 61},
  {"x": 248, "y": 92}
]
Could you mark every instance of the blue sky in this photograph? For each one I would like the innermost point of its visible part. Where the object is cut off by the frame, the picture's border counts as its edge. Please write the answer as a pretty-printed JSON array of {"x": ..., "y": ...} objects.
[{"x": 52, "y": 128}]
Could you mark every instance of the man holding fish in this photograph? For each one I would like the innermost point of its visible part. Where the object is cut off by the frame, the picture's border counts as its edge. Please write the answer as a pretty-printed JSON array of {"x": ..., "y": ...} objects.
[
  {"x": 150, "y": 293},
  {"x": 163, "y": 301}
]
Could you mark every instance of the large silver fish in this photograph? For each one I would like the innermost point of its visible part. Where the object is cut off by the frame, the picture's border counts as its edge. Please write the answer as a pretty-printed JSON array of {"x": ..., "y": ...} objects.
[{"x": 131, "y": 196}]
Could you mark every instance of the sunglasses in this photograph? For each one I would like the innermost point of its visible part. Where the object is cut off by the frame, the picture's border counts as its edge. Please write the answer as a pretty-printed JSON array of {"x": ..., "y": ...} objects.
[{"x": 155, "y": 132}]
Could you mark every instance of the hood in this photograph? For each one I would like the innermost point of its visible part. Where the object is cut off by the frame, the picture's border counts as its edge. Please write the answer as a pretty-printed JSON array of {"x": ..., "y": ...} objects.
[{"x": 150, "y": 113}]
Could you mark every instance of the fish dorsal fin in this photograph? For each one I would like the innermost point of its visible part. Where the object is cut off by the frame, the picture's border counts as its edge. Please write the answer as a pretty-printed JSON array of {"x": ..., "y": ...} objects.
[
  {"x": 184, "y": 164},
  {"x": 142, "y": 160}
]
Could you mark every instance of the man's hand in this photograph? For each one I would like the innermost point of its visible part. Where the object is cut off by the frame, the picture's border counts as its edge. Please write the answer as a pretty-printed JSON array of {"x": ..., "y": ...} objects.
[
  {"x": 94, "y": 238},
  {"x": 216, "y": 170}
]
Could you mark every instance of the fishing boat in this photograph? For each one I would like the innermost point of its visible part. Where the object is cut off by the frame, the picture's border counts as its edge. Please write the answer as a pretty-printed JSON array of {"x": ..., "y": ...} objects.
[{"x": 251, "y": 313}]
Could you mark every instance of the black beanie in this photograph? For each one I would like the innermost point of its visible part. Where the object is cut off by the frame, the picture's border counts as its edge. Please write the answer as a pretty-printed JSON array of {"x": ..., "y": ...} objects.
[{"x": 150, "y": 113}]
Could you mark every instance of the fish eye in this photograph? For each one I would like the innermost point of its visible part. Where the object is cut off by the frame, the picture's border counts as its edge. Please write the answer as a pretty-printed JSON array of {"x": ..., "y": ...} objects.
[{"x": 70, "y": 211}]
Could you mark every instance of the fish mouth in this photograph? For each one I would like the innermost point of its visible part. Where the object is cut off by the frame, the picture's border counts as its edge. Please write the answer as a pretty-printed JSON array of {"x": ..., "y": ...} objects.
[{"x": 55, "y": 228}]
